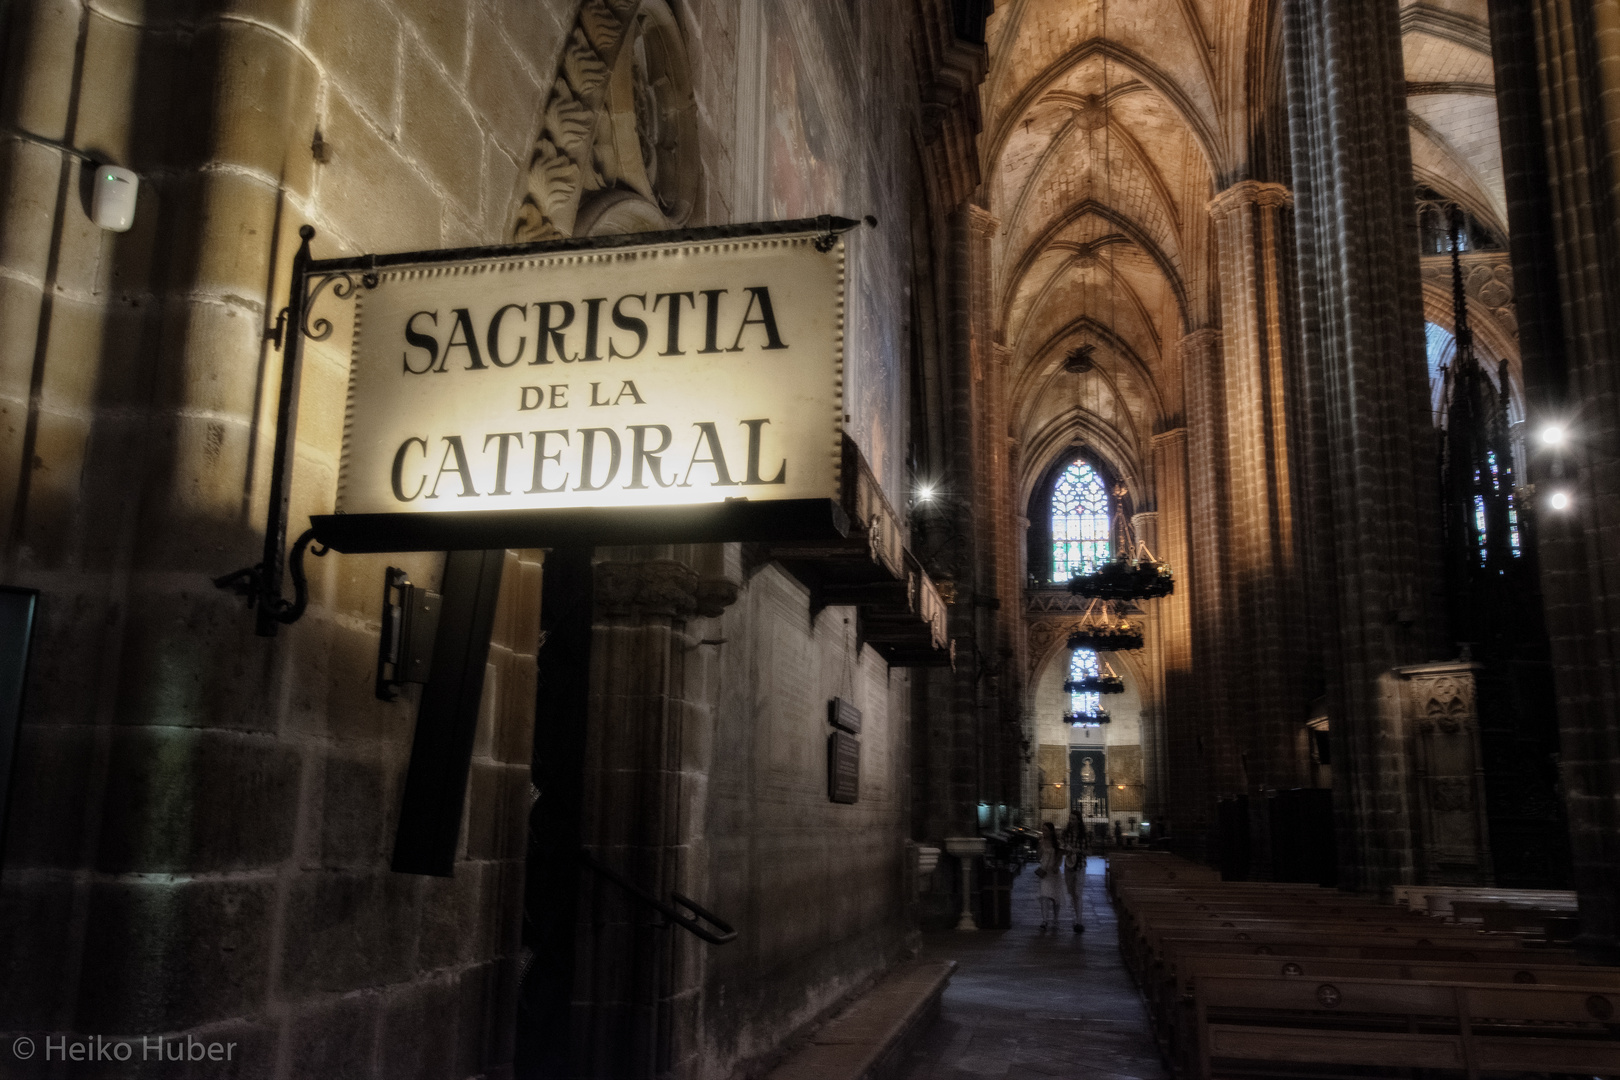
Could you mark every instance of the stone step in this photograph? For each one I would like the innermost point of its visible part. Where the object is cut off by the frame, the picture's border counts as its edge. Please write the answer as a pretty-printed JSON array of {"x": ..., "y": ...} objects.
[{"x": 872, "y": 1038}]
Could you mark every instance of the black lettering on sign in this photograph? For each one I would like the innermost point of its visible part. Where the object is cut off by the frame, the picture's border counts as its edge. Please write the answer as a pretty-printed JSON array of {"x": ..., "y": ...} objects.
[
  {"x": 540, "y": 460},
  {"x": 674, "y": 298},
  {"x": 711, "y": 320},
  {"x": 707, "y": 435},
  {"x": 629, "y": 387},
  {"x": 419, "y": 340},
  {"x": 594, "y": 387},
  {"x": 587, "y": 458},
  {"x": 551, "y": 335},
  {"x": 523, "y": 398},
  {"x": 494, "y": 339},
  {"x": 593, "y": 326},
  {"x": 453, "y": 448},
  {"x": 469, "y": 341},
  {"x": 636, "y": 326},
  {"x": 641, "y": 456},
  {"x": 754, "y": 439},
  {"x": 761, "y": 297},
  {"x": 559, "y": 396},
  {"x": 505, "y": 438},
  {"x": 399, "y": 470}
]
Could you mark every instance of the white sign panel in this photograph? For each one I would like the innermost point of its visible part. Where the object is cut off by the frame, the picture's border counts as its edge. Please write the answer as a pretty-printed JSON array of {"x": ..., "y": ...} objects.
[{"x": 654, "y": 375}]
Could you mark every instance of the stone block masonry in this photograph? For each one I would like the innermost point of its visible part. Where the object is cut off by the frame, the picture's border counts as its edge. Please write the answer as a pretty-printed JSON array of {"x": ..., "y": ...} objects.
[{"x": 197, "y": 852}]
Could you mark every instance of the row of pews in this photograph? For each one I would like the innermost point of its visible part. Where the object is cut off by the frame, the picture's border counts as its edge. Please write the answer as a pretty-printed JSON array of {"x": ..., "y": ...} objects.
[{"x": 1262, "y": 979}]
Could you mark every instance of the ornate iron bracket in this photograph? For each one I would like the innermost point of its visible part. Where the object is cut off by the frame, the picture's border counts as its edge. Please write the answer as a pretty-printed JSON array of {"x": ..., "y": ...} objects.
[
  {"x": 249, "y": 582},
  {"x": 261, "y": 582},
  {"x": 831, "y": 227}
]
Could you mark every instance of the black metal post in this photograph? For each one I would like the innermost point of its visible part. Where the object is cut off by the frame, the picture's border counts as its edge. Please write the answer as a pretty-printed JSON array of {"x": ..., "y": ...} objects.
[
  {"x": 281, "y": 462},
  {"x": 544, "y": 1036},
  {"x": 447, "y": 717}
]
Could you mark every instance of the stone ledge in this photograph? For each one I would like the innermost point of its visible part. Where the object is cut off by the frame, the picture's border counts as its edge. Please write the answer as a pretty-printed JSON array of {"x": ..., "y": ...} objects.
[{"x": 871, "y": 1038}]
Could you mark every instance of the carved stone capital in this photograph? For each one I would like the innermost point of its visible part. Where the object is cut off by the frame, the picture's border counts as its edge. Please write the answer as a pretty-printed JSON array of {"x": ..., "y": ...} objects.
[
  {"x": 1196, "y": 345},
  {"x": 715, "y": 594},
  {"x": 1174, "y": 437},
  {"x": 661, "y": 587},
  {"x": 983, "y": 223},
  {"x": 1250, "y": 193}
]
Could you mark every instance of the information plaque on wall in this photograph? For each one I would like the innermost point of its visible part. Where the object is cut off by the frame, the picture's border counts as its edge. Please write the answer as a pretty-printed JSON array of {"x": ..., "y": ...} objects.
[
  {"x": 844, "y": 715},
  {"x": 843, "y": 767},
  {"x": 685, "y": 388}
]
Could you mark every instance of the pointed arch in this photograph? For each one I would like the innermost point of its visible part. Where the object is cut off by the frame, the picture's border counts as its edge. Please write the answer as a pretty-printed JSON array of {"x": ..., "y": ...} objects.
[
  {"x": 1131, "y": 230},
  {"x": 1138, "y": 65}
]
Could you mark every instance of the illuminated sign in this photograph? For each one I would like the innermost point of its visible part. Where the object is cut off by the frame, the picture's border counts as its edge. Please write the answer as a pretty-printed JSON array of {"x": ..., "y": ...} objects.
[{"x": 695, "y": 372}]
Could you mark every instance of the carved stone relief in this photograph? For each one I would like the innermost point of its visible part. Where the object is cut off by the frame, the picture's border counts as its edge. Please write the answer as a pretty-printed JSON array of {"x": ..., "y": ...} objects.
[
  {"x": 1487, "y": 281},
  {"x": 1046, "y": 636},
  {"x": 618, "y": 144},
  {"x": 1453, "y": 842}
]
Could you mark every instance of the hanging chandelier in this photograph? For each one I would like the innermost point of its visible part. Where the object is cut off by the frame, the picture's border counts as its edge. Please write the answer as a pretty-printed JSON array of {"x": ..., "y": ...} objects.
[
  {"x": 1105, "y": 682},
  {"x": 1103, "y": 631},
  {"x": 1097, "y": 716},
  {"x": 1133, "y": 575}
]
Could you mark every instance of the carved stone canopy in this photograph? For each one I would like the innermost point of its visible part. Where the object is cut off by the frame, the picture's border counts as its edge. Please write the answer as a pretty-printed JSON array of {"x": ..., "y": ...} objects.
[
  {"x": 661, "y": 587},
  {"x": 617, "y": 148}
]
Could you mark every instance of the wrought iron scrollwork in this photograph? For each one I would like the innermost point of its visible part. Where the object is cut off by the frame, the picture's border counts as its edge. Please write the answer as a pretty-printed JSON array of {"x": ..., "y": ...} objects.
[
  {"x": 343, "y": 286},
  {"x": 249, "y": 582}
]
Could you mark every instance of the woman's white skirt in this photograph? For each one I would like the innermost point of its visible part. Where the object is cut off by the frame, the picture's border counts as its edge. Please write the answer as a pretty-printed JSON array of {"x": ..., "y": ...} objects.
[{"x": 1052, "y": 887}]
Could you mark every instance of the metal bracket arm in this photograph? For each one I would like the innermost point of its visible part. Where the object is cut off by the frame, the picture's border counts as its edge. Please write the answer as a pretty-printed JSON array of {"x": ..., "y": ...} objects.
[
  {"x": 250, "y": 582},
  {"x": 726, "y": 933},
  {"x": 261, "y": 583}
]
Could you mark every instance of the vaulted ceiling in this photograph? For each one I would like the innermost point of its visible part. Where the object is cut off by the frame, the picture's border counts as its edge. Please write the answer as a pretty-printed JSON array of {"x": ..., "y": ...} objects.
[{"x": 1108, "y": 128}]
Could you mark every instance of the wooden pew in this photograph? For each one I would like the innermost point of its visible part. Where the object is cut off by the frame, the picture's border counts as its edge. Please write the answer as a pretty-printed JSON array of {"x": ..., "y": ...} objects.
[
  {"x": 1439, "y": 900},
  {"x": 1400, "y": 1024},
  {"x": 1441, "y": 991}
]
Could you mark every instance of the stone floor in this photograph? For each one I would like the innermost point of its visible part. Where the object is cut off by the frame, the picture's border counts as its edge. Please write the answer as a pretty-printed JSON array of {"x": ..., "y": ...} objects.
[{"x": 1026, "y": 1004}]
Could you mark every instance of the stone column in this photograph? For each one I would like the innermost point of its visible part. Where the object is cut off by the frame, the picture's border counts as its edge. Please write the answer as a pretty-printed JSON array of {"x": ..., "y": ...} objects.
[
  {"x": 637, "y": 987},
  {"x": 952, "y": 762},
  {"x": 1374, "y": 516},
  {"x": 1260, "y": 539},
  {"x": 1169, "y": 619},
  {"x": 1558, "y": 71},
  {"x": 1204, "y": 584}
]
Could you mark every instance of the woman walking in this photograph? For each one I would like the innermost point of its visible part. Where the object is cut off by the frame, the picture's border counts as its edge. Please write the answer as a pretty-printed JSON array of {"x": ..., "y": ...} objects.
[
  {"x": 1074, "y": 845},
  {"x": 1048, "y": 872}
]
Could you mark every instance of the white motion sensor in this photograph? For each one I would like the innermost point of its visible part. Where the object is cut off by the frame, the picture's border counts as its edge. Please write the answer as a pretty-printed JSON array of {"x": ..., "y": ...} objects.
[{"x": 112, "y": 206}]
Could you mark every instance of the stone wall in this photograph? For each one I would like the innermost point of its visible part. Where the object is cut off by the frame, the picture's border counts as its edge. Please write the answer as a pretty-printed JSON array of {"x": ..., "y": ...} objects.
[{"x": 200, "y": 841}]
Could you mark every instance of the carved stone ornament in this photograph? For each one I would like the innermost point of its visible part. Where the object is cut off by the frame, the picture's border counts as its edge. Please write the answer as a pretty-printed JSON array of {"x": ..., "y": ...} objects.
[
  {"x": 660, "y": 587},
  {"x": 618, "y": 143},
  {"x": 1487, "y": 280},
  {"x": 1045, "y": 637},
  {"x": 1449, "y": 703}
]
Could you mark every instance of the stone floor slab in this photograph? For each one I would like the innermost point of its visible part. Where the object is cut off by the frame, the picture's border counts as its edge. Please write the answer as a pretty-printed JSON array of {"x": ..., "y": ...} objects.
[{"x": 1028, "y": 1005}]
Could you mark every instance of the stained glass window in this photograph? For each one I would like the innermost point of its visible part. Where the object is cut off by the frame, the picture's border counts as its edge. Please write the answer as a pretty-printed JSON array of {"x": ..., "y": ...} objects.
[
  {"x": 1079, "y": 522},
  {"x": 1083, "y": 664},
  {"x": 1480, "y": 523}
]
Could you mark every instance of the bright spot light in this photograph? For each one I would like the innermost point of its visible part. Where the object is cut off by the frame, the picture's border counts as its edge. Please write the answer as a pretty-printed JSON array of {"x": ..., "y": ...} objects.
[
  {"x": 1559, "y": 500},
  {"x": 925, "y": 493},
  {"x": 1553, "y": 435}
]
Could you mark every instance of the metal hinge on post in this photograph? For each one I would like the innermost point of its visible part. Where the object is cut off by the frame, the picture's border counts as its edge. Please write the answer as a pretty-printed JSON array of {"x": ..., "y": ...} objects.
[{"x": 410, "y": 623}]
